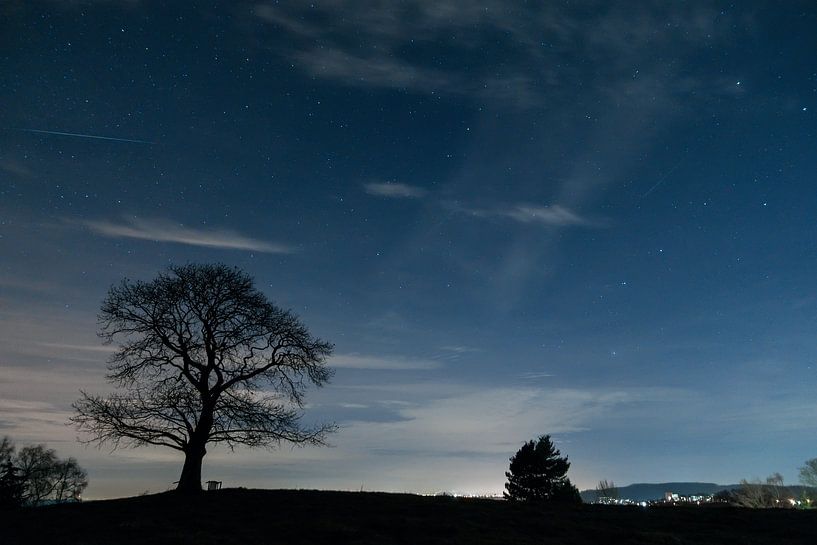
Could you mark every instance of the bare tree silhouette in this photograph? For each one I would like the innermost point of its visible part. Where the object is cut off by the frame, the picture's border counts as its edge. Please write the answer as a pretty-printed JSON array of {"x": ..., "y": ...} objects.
[
  {"x": 35, "y": 475},
  {"x": 606, "y": 491},
  {"x": 198, "y": 347},
  {"x": 757, "y": 494}
]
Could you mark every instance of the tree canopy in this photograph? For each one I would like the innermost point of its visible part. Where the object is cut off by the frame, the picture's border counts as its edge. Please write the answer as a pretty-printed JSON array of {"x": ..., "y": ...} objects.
[
  {"x": 34, "y": 475},
  {"x": 757, "y": 494},
  {"x": 203, "y": 357},
  {"x": 808, "y": 473},
  {"x": 606, "y": 491},
  {"x": 538, "y": 472}
]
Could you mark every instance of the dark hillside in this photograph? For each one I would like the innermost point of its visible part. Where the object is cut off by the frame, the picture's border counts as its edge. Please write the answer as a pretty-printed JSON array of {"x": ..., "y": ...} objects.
[{"x": 301, "y": 517}]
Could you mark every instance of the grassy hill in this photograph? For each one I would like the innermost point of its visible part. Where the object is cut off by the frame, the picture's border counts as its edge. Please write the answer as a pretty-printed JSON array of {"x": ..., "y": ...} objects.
[{"x": 237, "y": 516}]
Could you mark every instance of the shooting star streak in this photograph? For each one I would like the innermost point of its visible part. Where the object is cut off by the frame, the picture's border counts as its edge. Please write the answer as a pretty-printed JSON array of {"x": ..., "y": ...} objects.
[
  {"x": 662, "y": 178},
  {"x": 75, "y": 135}
]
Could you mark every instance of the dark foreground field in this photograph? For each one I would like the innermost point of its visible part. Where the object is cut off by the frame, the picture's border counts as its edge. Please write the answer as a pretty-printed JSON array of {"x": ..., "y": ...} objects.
[{"x": 293, "y": 517}]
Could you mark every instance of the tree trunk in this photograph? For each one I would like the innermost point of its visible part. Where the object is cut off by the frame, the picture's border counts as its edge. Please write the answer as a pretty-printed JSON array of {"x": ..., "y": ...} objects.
[{"x": 190, "y": 480}]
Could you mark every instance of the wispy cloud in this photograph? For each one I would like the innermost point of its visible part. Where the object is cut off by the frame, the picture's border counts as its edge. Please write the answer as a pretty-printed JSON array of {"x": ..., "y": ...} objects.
[
  {"x": 386, "y": 36},
  {"x": 394, "y": 190},
  {"x": 456, "y": 422},
  {"x": 534, "y": 375},
  {"x": 324, "y": 50},
  {"x": 81, "y": 347},
  {"x": 8, "y": 405},
  {"x": 353, "y": 405},
  {"x": 16, "y": 168},
  {"x": 372, "y": 70},
  {"x": 528, "y": 58},
  {"x": 459, "y": 349},
  {"x": 26, "y": 284},
  {"x": 555, "y": 215},
  {"x": 551, "y": 216},
  {"x": 160, "y": 230},
  {"x": 386, "y": 363},
  {"x": 27, "y": 419}
]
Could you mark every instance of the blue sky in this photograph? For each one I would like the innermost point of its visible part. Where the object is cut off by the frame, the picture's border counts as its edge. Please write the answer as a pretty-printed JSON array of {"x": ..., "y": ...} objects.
[{"x": 593, "y": 220}]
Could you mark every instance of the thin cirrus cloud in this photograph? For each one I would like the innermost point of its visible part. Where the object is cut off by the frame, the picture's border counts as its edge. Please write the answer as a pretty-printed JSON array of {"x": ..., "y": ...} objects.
[
  {"x": 456, "y": 421},
  {"x": 459, "y": 349},
  {"x": 393, "y": 32},
  {"x": 26, "y": 284},
  {"x": 16, "y": 168},
  {"x": 34, "y": 419},
  {"x": 535, "y": 375},
  {"x": 551, "y": 216},
  {"x": 164, "y": 231},
  {"x": 385, "y": 363},
  {"x": 394, "y": 190},
  {"x": 390, "y": 29},
  {"x": 81, "y": 347},
  {"x": 554, "y": 215}
]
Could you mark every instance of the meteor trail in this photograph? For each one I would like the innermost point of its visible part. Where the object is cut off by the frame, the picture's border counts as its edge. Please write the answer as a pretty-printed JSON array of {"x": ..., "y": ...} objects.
[
  {"x": 88, "y": 136},
  {"x": 662, "y": 178}
]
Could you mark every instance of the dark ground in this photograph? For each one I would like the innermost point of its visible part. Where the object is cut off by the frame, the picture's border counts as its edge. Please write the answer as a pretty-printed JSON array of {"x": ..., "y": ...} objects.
[{"x": 295, "y": 517}]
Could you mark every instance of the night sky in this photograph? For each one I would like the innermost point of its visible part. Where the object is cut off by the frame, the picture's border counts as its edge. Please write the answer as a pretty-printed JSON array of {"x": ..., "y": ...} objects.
[{"x": 590, "y": 219}]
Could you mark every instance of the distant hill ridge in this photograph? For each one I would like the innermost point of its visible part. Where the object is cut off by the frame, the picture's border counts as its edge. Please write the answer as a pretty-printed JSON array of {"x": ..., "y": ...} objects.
[{"x": 656, "y": 491}]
